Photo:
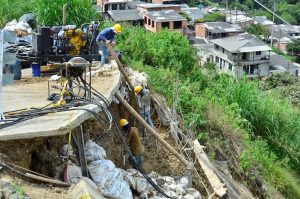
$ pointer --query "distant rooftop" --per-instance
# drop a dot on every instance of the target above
(238, 18)
(286, 32)
(156, 5)
(164, 16)
(125, 15)
(242, 43)
(263, 20)
(222, 27)
(194, 12)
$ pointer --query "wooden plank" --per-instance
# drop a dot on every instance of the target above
(208, 169)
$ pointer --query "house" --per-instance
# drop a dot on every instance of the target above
(132, 17)
(157, 7)
(216, 30)
(263, 21)
(242, 54)
(106, 5)
(156, 20)
(239, 18)
(194, 13)
(284, 34)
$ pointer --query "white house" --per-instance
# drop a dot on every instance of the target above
(242, 54)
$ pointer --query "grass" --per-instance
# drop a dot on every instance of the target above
(49, 12)
(268, 127)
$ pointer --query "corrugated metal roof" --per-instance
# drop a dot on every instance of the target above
(242, 43)
(164, 16)
(125, 15)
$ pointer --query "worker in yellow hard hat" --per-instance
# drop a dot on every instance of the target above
(144, 101)
(107, 36)
(133, 140)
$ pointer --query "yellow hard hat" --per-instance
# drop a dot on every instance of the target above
(138, 89)
(123, 122)
(118, 28)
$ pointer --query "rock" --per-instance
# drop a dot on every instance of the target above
(9, 190)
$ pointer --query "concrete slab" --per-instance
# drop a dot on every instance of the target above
(29, 94)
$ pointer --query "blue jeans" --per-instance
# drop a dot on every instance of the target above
(103, 48)
(146, 115)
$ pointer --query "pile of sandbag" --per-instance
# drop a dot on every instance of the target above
(106, 176)
(175, 188)
(21, 28)
(136, 77)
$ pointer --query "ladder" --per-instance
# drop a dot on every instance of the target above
(1, 70)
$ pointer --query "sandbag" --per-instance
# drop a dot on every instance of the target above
(109, 179)
(72, 173)
(94, 152)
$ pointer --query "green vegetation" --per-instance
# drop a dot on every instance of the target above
(294, 49)
(10, 10)
(19, 190)
(49, 12)
(265, 127)
(258, 30)
(215, 16)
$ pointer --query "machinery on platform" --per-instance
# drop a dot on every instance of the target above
(61, 43)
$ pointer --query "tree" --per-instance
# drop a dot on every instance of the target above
(258, 30)
(215, 16)
(294, 49)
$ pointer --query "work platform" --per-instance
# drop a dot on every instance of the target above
(28, 94)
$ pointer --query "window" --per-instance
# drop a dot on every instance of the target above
(177, 24)
(258, 52)
(149, 21)
(250, 69)
(152, 24)
(106, 8)
(114, 6)
(223, 50)
(165, 24)
(230, 66)
(145, 20)
(216, 47)
(122, 6)
(217, 59)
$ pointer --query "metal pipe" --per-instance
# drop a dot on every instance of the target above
(64, 14)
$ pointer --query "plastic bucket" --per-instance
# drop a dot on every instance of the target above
(36, 70)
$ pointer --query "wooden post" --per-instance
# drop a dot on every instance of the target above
(52, 181)
(120, 65)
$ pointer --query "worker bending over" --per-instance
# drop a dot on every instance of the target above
(133, 140)
(144, 101)
(107, 36)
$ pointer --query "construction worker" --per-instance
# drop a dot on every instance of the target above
(134, 142)
(144, 101)
(107, 36)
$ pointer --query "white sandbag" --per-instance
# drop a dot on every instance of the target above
(109, 179)
(136, 180)
(72, 173)
(94, 152)
(11, 26)
(23, 26)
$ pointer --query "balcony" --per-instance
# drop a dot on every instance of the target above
(261, 60)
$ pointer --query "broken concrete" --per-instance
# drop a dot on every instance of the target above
(34, 94)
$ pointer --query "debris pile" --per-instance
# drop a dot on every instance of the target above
(175, 188)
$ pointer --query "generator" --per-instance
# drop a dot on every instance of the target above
(61, 43)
